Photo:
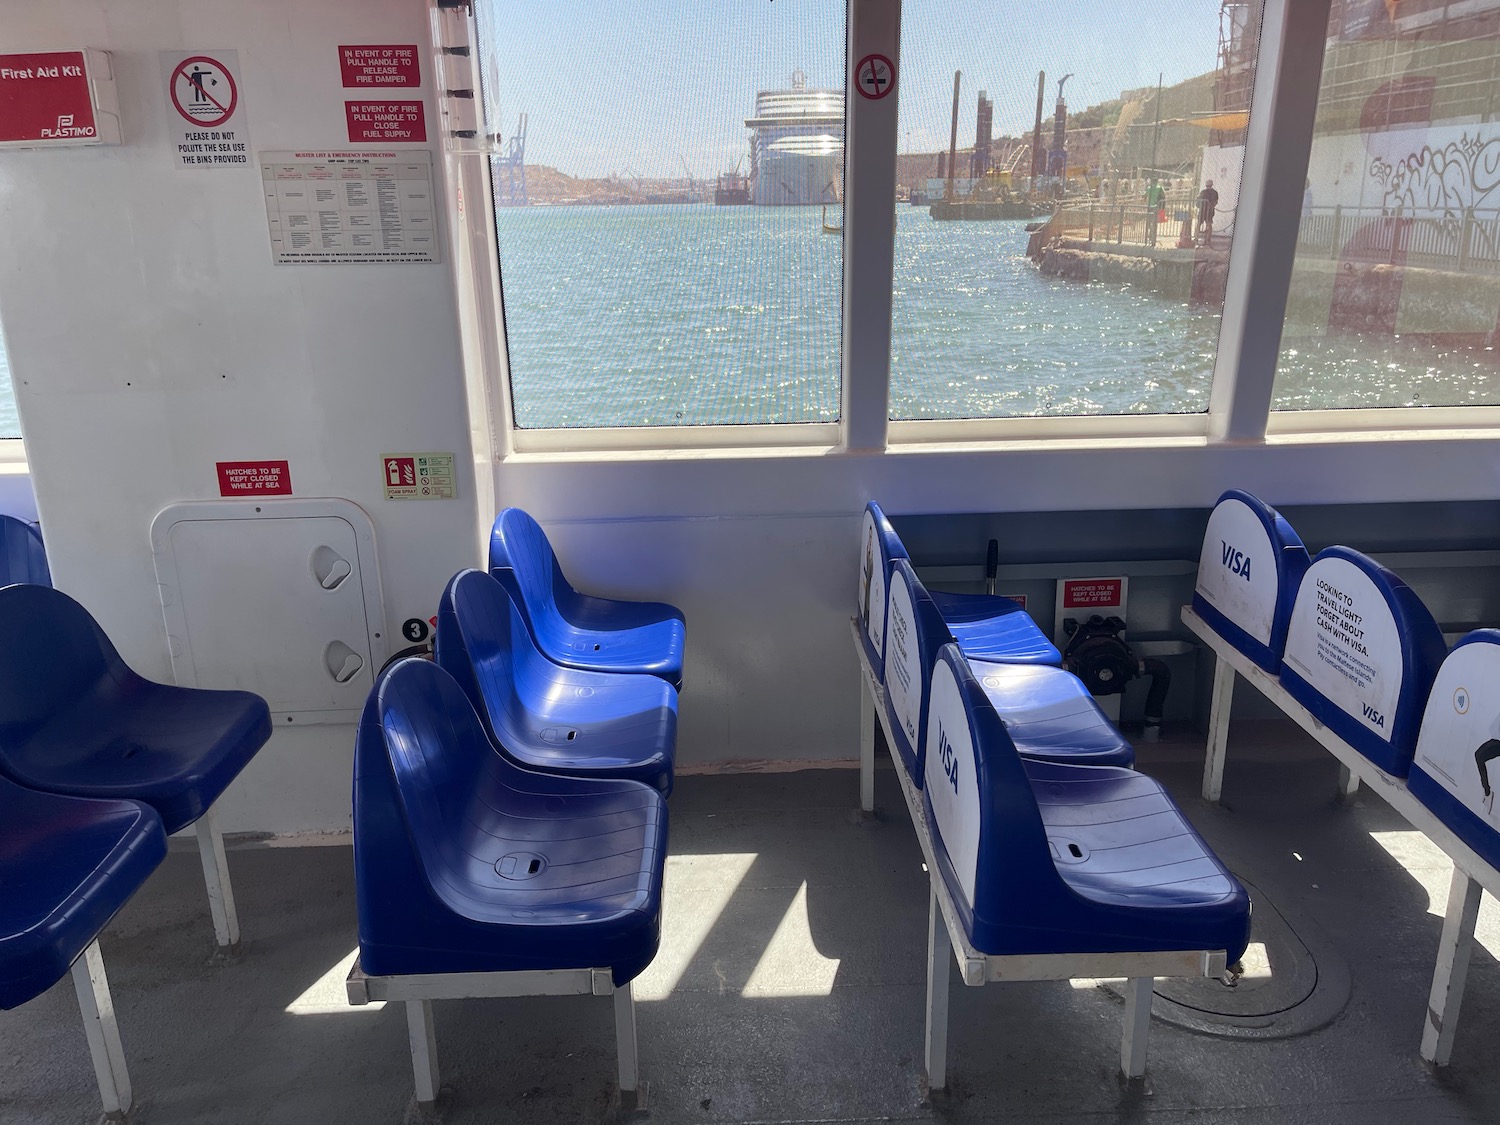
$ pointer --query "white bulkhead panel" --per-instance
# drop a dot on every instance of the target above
(281, 598)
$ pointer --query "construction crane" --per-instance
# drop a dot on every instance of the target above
(510, 170)
(695, 189)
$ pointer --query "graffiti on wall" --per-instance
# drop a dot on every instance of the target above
(1443, 183)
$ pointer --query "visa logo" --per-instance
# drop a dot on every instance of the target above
(1237, 561)
(948, 759)
(1373, 715)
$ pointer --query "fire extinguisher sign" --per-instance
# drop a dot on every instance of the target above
(418, 476)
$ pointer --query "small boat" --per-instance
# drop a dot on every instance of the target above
(830, 228)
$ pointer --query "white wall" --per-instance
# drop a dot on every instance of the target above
(151, 336)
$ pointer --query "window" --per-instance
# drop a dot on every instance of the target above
(1061, 263)
(10, 421)
(668, 195)
(1395, 291)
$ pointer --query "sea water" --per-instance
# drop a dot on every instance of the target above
(680, 315)
(673, 315)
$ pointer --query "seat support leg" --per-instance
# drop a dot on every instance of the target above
(1452, 968)
(866, 746)
(625, 1041)
(423, 1038)
(939, 956)
(1348, 783)
(216, 875)
(1138, 992)
(1218, 729)
(92, 987)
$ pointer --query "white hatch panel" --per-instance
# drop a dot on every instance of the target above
(279, 598)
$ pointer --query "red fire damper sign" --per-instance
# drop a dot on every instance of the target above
(254, 478)
(1086, 593)
(45, 98)
(383, 122)
(380, 65)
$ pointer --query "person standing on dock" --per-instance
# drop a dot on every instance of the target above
(1156, 209)
(1208, 203)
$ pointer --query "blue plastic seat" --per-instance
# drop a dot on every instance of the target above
(1050, 714)
(74, 719)
(1044, 857)
(1361, 654)
(986, 626)
(1455, 771)
(550, 718)
(1248, 576)
(990, 627)
(1047, 710)
(465, 862)
(576, 630)
(67, 865)
(22, 556)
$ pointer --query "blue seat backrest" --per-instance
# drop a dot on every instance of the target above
(419, 755)
(879, 546)
(990, 844)
(22, 556)
(1248, 576)
(1361, 654)
(522, 557)
(1456, 770)
(480, 624)
(52, 654)
(914, 634)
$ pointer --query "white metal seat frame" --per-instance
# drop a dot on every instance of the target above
(1471, 873)
(945, 932)
(419, 990)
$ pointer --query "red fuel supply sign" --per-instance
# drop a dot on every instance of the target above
(57, 98)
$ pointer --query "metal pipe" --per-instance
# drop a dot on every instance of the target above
(953, 137)
(1037, 165)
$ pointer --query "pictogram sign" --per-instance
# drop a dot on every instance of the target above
(418, 476)
(204, 92)
(206, 127)
(875, 77)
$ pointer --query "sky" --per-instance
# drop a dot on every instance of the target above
(646, 87)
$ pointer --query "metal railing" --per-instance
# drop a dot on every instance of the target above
(1134, 224)
(1462, 242)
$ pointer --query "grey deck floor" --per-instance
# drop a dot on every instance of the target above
(789, 987)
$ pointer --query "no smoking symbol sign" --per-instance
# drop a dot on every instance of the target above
(203, 91)
(875, 77)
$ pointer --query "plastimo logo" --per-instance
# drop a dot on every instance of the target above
(66, 128)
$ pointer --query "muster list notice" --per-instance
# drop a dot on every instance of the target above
(346, 208)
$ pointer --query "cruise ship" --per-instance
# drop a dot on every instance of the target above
(570, 664)
(797, 145)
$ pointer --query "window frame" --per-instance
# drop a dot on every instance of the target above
(1260, 266)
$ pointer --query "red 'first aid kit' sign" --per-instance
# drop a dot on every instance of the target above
(254, 478)
(46, 98)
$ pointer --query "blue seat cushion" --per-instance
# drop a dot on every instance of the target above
(466, 862)
(1049, 714)
(175, 748)
(66, 866)
(1121, 843)
(547, 717)
(989, 627)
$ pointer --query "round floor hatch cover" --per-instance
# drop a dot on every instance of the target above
(1294, 982)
